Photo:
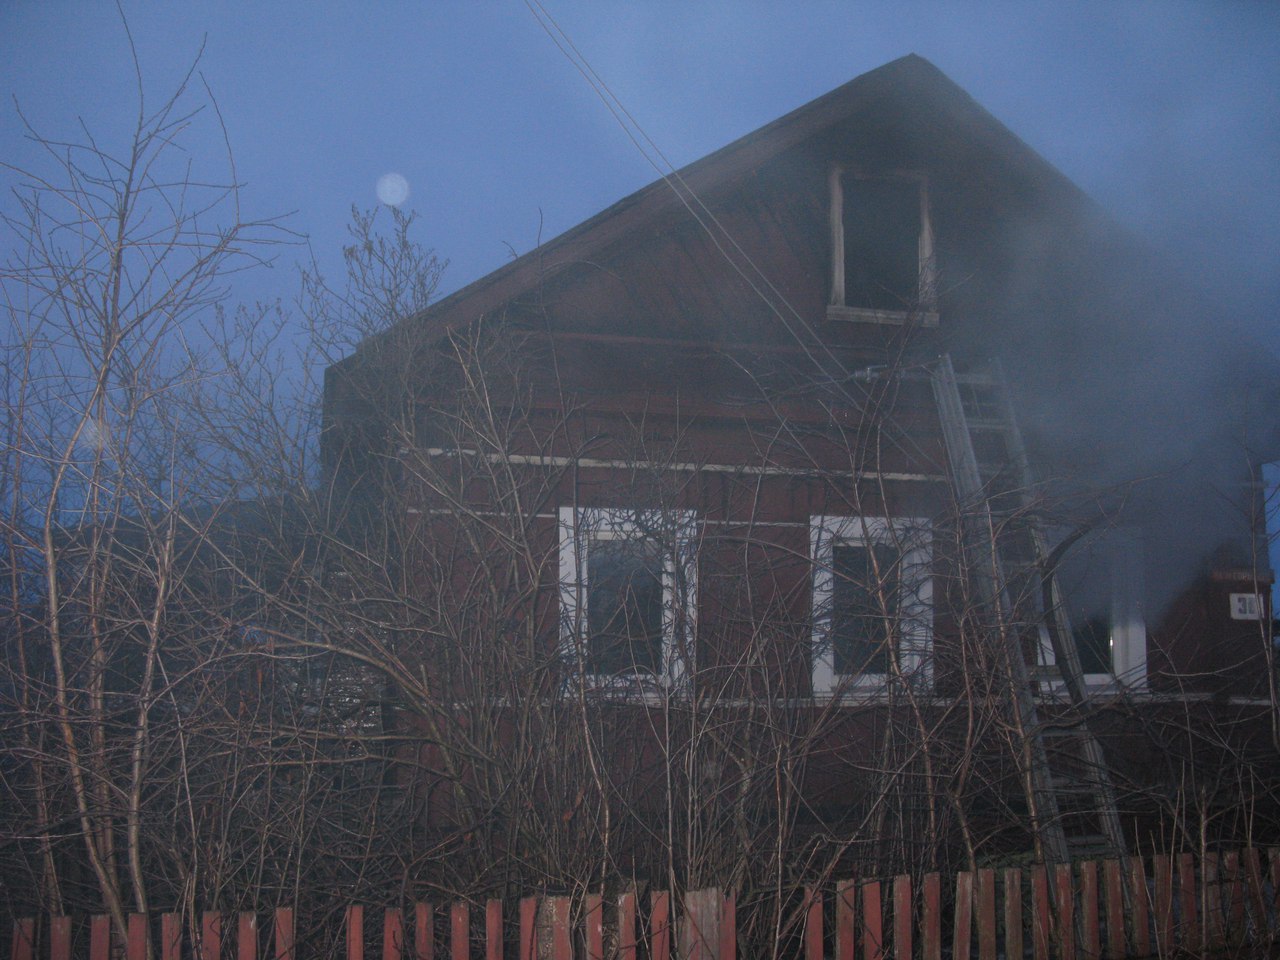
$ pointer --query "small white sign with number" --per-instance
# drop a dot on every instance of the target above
(1246, 606)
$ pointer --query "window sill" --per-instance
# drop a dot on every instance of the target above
(892, 318)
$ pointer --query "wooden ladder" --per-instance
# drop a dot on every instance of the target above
(1068, 787)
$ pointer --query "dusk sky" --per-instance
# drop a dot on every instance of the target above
(1166, 113)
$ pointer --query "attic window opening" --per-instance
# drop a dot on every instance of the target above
(883, 268)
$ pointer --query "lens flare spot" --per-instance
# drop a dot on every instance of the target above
(393, 189)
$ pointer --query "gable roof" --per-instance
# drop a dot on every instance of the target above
(907, 86)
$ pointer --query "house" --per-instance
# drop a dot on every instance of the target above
(829, 486)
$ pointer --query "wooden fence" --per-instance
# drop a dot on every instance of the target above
(1222, 903)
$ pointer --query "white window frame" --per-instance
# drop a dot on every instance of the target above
(914, 628)
(1121, 549)
(678, 530)
(925, 309)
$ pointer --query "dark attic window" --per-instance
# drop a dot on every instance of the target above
(882, 240)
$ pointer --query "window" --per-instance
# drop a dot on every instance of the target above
(1100, 580)
(882, 268)
(872, 603)
(627, 593)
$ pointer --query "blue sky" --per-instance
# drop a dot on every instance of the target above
(1165, 112)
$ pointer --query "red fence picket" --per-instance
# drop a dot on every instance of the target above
(285, 933)
(1090, 930)
(812, 909)
(872, 922)
(627, 940)
(846, 907)
(903, 915)
(931, 926)
(424, 932)
(1187, 901)
(210, 936)
(1013, 912)
(986, 911)
(729, 928)
(1065, 900)
(1163, 869)
(1140, 909)
(659, 926)
(170, 936)
(493, 930)
(961, 936)
(1041, 919)
(60, 938)
(355, 933)
(24, 939)
(135, 947)
(100, 937)
(459, 930)
(1112, 882)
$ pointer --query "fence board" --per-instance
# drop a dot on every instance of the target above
(1273, 857)
(903, 917)
(135, 947)
(100, 936)
(1211, 901)
(424, 931)
(1235, 897)
(24, 939)
(1012, 913)
(1254, 891)
(1090, 931)
(594, 921)
(1140, 907)
(493, 930)
(285, 941)
(1114, 892)
(812, 910)
(1188, 903)
(210, 937)
(247, 937)
(660, 926)
(626, 927)
(1065, 922)
(60, 938)
(986, 911)
(392, 934)
(931, 926)
(846, 908)
(961, 931)
(1041, 921)
(872, 922)
(699, 926)
(729, 928)
(355, 932)
(460, 930)
(528, 947)
(170, 936)
(1162, 867)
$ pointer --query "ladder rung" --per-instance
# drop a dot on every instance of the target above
(1089, 841)
(1073, 786)
(1060, 733)
(987, 423)
(976, 380)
